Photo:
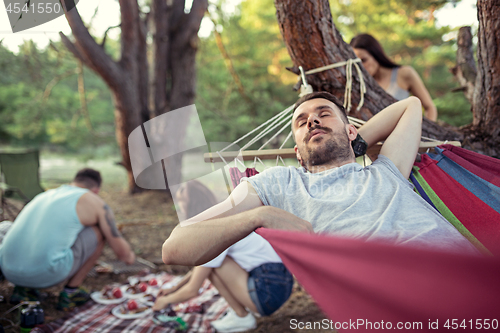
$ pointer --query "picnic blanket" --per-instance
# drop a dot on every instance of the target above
(94, 317)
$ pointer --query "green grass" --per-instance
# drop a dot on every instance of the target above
(57, 169)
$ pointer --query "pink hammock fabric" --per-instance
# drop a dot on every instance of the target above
(475, 215)
(483, 166)
(359, 283)
(362, 285)
(236, 174)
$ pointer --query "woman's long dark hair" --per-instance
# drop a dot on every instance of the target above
(371, 45)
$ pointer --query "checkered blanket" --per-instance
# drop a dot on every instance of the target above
(93, 317)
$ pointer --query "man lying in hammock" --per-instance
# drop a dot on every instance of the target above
(331, 193)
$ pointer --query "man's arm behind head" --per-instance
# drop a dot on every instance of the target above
(400, 125)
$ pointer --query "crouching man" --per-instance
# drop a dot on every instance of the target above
(59, 236)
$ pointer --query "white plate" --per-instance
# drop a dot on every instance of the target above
(116, 312)
(148, 303)
(97, 297)
(134, 296)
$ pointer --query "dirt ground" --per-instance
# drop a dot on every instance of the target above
(146, 220)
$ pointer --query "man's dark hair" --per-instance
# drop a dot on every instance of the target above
(371, 45)
(89, 177)
(324, 95)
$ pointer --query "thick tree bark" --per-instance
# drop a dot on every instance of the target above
(173, 84)
(484, 133)
(313, 41)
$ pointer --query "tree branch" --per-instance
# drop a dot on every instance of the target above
(188, 28)
(88, 50)
(177, 15)
(54, 81)
(228, 61)
(73, 49)
(106, 34)
(83, 99)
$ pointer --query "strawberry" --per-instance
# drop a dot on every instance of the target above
(117, 292)
(143, 287)
(132, 304)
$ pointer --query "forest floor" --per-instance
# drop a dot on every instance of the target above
(146, 220)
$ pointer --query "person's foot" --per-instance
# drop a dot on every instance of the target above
(231, 322)
(24, 294)
(68, 301)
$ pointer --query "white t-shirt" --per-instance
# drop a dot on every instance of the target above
(371, 203)
(250, 252)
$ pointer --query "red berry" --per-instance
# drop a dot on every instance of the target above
(143, 287)
(132, 304)
(117, 292)
(153, 282)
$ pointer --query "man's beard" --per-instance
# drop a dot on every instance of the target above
(335, 149)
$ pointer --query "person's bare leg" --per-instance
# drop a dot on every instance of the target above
(231, 282)
(77, 279)
(238, 308)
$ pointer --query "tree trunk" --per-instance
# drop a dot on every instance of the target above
(465, 71)
(173, 83)
(484, 133)
(313, 41)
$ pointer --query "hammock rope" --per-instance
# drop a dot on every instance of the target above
(287, 125)
(268, 130)
(307, 89)
(279, 115)
(283, 118)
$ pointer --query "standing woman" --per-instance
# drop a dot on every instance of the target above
(398, 81)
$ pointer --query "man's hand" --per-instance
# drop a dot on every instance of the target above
(275, 218)
(131, 258)
(167, 291)
(161, 302)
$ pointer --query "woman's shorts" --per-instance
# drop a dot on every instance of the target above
(269, 286)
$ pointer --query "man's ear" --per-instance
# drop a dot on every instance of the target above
(95, 190)
(352, 132)
(297, 153)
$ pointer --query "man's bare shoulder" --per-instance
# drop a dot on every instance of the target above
(88, 207)
(91, 198)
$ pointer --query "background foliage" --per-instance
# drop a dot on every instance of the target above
(250, 36)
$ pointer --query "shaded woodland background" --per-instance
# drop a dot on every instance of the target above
(48, 99)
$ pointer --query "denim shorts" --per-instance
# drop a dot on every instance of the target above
(269, 286)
